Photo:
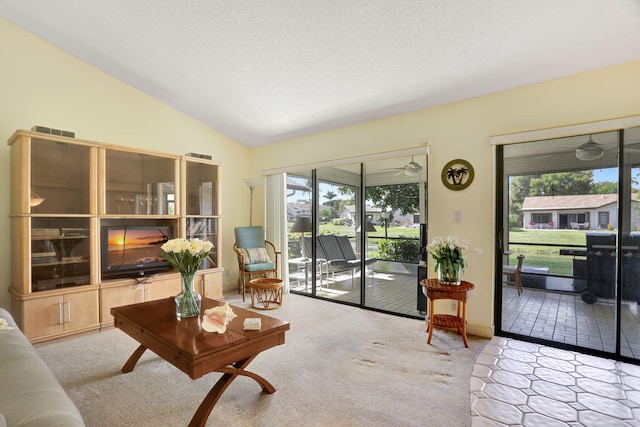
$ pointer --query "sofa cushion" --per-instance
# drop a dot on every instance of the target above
(29, 393)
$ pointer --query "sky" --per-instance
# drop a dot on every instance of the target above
(609, 174)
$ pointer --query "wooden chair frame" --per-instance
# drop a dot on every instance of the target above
(513, 275)
(246, 275)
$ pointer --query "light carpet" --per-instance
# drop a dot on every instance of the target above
(340, 366)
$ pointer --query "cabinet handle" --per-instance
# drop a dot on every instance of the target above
(206, 287)
(68, 312)
(60, 314)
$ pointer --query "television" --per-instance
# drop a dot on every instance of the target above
(133, 250)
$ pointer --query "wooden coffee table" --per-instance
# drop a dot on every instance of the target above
(185, 345)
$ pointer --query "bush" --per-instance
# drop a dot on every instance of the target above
(403, 250)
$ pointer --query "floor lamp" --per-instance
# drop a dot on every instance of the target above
(302, 225)
(251, 183)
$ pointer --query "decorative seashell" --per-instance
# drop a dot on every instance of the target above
(216, 319)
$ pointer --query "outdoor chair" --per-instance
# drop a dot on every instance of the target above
(257, 257)
(340, 255)
(513, 274)
(352, 258)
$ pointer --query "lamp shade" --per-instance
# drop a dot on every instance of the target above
(369, 228)
(251, 182)
(302, 225)
(35, 200)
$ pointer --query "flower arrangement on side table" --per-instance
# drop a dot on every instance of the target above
(186, 256)
(448, 254)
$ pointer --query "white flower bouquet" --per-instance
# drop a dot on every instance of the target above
(448, 254)
(186, 256)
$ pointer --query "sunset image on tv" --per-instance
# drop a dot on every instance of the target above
(135, 246)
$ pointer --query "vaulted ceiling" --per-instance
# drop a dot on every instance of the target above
(269, 70)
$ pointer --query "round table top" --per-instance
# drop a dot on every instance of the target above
(434, 285)
(266, 283)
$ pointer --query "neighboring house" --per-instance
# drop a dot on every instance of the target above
(295, 210)
(579, 212)
(374, 215)
(348, 213)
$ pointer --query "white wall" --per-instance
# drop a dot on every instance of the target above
(40, 84)
(462, 130)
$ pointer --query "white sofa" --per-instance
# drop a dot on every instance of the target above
(29, 393)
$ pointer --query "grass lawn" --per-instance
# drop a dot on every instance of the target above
(548, 256)
(329, 228)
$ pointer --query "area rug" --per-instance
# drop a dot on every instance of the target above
(340, 366)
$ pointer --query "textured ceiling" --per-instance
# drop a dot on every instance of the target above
(264, 71)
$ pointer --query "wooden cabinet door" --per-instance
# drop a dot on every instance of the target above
(115, 297)
(211, 284)
(80, 310)
(43, 317)
(163, 287)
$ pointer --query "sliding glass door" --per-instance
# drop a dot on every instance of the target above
(395, 191)
(570, 207)
(361, 242)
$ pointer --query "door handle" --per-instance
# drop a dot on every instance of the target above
(60, 314)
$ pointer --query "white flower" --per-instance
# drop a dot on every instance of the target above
(181, 245)
(195, 246)
(186, 256)
(168, 246)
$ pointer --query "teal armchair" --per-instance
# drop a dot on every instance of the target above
(257, 257)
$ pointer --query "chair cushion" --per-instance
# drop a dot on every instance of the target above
(263, 266)
(255, 255)
(249, 237)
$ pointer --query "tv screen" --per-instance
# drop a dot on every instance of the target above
(133, 250)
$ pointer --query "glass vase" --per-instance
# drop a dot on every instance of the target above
(449, 274)
(188, 300)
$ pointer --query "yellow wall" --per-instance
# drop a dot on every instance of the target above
(462, 130)
(39, 84)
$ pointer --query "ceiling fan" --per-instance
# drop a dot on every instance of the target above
(590, 150)
(410, 169)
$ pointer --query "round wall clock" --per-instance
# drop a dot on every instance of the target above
(457, 174)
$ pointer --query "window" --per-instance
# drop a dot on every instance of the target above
(541, 218)
(603, 219)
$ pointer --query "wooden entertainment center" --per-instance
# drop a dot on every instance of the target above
(64, 191)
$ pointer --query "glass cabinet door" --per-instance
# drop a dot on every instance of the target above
(205, 229)
(60, 178)
(139, 184)
(201, 189)
(201, 205)
(60, 253)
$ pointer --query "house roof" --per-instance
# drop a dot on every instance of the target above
(578, 201)
(265, 71)
(294, 185)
